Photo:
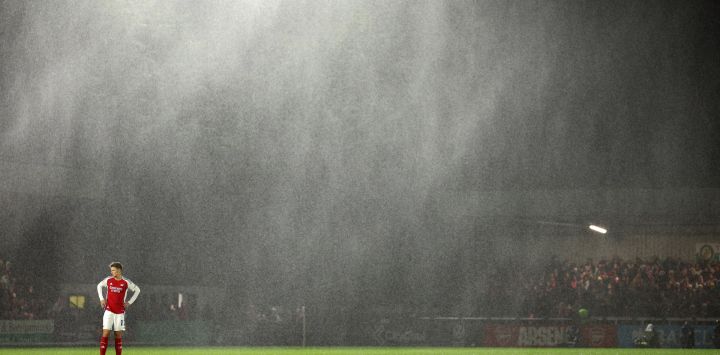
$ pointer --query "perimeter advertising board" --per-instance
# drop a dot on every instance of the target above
(26, 331)
(668, 335)
(546, 335)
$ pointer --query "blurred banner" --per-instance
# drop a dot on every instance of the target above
(708, 251)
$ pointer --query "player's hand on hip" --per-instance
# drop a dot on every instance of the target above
(103, 303)
(127, 304)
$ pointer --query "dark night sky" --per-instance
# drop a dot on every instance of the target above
(632, 101)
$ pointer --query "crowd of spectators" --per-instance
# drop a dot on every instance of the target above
(629, 288)
(19, 297)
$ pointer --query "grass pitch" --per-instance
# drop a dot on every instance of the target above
(355, 351)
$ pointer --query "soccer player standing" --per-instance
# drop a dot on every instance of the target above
(114, 305)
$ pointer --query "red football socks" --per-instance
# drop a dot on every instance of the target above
(118, 346)
(103, 345)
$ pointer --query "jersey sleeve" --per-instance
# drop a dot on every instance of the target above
(135, 289)
(100, 286)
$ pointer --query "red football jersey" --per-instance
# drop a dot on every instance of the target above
(117, 292)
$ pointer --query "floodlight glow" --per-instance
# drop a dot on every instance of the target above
(598, 229)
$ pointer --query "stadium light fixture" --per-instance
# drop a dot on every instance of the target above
(598, 229)
(593, 227)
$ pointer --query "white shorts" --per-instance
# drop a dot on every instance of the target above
(114, 321)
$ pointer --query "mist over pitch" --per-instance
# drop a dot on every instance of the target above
(298, 150)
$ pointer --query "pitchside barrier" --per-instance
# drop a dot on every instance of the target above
(173, 332)
(26, 331)
(47, 333)
(531, 332)
(668, 335)
(390, 331)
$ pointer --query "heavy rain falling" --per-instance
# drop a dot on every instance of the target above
(361, 161)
